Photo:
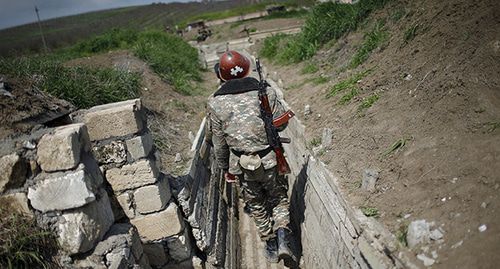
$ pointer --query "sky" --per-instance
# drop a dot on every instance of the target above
(17, 12)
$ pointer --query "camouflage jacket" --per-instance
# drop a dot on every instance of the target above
(235, 123)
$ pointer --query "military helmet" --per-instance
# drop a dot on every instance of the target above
(233, 65)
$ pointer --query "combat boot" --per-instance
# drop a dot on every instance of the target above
(284, 251)
(271, 251)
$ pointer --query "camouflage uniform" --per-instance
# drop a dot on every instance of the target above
(236, 125)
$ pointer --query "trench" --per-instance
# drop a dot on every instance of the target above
(328, 232)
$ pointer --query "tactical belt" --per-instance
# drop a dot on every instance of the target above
(261, 153)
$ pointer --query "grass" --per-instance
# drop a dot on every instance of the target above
(492, 126)
(22, 243)
(169, 56)
(346, 98)
(411, 33)
(368, 102)
(349, 83)
(372, 40)
(325, 22)
(294, 13)
(320, 80)
(370, 211)
(84, 87)
(401, 234)
(316, 141)
(310, 69)
(399, 144)
(397, 14)
(218, 15)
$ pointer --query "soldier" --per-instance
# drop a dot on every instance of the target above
(242, 151)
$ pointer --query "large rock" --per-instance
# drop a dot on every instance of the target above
(179, 247)
(132, 176)
(140, 147)
(12, 172)
(18, 202)
(159, 225)
(61, 149)
(79, 230)
(120, 248)
(62, 191)
(152, 198)
(157, 254)
(115, 120)
(126, 202)
(418, 232)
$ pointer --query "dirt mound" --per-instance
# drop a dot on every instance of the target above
(432, 131)
(22, 107)
(172, 115)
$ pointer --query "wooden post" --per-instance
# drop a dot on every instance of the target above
(41, 32)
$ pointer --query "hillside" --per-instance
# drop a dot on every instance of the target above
(423, 111)
(64, 31)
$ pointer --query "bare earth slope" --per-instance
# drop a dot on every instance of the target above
(440, 93)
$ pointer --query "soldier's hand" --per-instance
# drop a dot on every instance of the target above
(230, 178)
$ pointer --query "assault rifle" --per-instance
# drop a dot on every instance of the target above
(273, 138)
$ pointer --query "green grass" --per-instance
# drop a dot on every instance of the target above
(397, 14)
(295, 13)
(22, 243)
(319, 80)
(370, 211)
(169, 56)
(325, 22)
(410, 33)
(401, 234)
(372, 40)
(349, 83)
(83, 87)
(310, 69)
(218, 15)
(368, 102)
(346, 98)
(399, 144)
(315, 142)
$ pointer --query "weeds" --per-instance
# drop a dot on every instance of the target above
(368, 102)
(347, 97)
(320, 80)
(492, 126)
(84, 87)
(370, 211)
(22, 243)
(372, 40)
(315, 142)
(401, 234)
(400, 143)
(397, 14)
(349, 83)
(310, 69)
(325, 22)
(410, 33)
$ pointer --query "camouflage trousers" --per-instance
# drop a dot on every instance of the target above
(266, 198)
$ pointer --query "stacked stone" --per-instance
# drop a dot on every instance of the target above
(68, 191)
(124, 149)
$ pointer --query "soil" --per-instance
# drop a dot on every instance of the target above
(23, 107)
(440, 93)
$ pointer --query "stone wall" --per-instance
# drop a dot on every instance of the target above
(97, 184)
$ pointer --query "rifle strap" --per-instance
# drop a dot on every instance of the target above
(236, 86)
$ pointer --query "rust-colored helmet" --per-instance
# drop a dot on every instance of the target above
(233, 65)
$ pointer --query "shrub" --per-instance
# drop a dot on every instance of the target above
(22, 243)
